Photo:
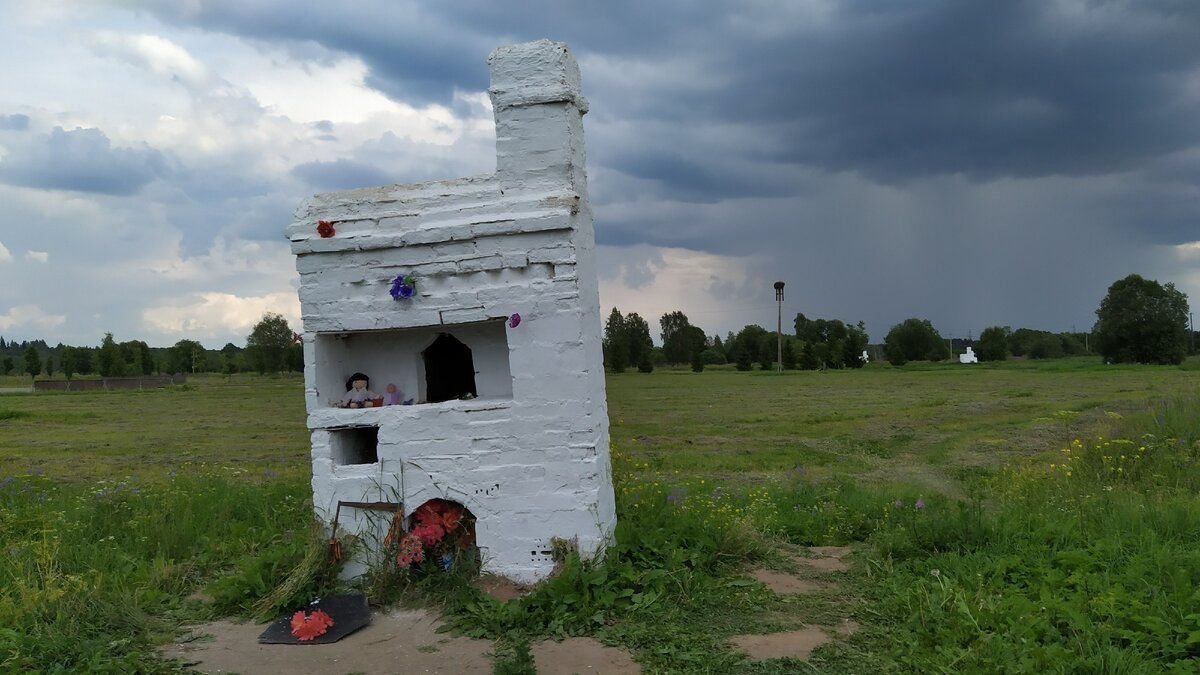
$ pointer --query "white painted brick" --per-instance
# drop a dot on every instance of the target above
(530, 459)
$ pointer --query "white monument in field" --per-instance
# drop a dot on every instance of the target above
(968, 357)
(477, 299)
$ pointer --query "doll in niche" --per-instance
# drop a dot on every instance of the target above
(358, 395)
(393, 396)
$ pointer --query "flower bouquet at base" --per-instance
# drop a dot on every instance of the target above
(440, 530)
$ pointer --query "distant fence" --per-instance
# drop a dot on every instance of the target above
(146, 382)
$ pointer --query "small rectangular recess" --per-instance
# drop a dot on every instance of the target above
(354, 445)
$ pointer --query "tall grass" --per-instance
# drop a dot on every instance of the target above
(1082, 559)
(1089, 561)
(92, 576)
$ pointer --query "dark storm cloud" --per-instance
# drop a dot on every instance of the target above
(413, 53)
(15, 122)
(985, 89)
(890, 90)
(82, 160)
(974, 162)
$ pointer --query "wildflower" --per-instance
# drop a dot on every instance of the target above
(899, 503)
(936, 573)
(920, 504)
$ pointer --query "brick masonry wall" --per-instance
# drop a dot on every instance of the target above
(532, 465)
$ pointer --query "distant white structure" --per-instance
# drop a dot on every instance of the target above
(497, 338)
(969, 357)
(865, 359)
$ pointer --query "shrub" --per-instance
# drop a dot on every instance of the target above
(993, 344)
(1142, 321)
(914, 340)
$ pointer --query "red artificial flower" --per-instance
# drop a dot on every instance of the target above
(411, 551)
(308, 627)
(451, 518)
(429, 533)
(436, 518)
(325, 229)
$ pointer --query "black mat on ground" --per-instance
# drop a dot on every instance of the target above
(349, 613)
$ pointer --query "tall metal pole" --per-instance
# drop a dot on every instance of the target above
(779, 328)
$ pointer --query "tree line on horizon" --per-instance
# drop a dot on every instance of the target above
(270, 347)
(1138, 321)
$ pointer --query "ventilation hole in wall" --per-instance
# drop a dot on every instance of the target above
(356, 445)
(541, 555)
(488, 491)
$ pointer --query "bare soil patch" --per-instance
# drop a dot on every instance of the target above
(838, 552)
(786, 584)
(826, 558)
(797, 644)
(581, 655)
(500, 588)
(401, 641)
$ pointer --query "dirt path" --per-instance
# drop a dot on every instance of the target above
(408, 641)
(820, 564)
(404, 641)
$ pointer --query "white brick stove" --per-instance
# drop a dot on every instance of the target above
(529, 456)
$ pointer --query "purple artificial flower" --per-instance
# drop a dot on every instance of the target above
(920, 504)
(514, 320)
(403, 287)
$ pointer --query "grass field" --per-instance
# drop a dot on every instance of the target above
(1042, 523)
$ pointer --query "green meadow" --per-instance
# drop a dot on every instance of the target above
(1008, 517)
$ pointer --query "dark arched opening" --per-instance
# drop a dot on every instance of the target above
(449, 370)
(445, 530)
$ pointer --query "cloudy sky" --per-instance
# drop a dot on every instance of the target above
(974, 163)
